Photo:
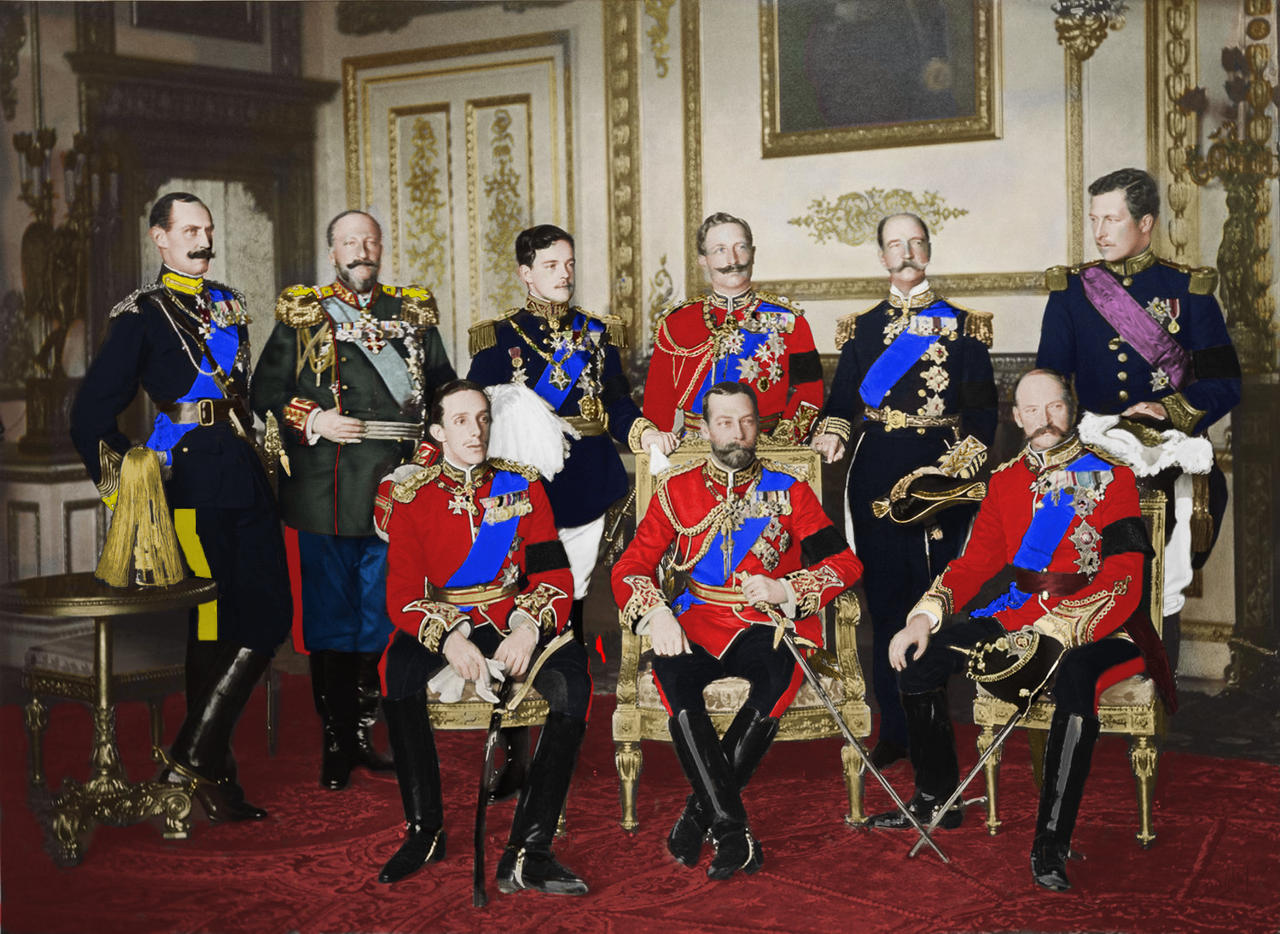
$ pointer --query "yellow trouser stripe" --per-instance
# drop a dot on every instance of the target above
(184, 521)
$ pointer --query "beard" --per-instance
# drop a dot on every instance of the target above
(350, 275)
(733, 455)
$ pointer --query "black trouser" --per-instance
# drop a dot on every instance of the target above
(1075, 684)
(770, 671)
(564, 681)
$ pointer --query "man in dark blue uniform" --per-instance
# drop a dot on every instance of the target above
(569, 357)
(345, 372)
(915, 375)
(185, 339)
(1144, 338)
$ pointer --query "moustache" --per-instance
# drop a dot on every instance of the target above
(1046, 429)
(909, 264)
(362, 262)
(205, 252)
(733, 267)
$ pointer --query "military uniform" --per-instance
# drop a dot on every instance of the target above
(758, 339)
(915, 374)
(186, 341)
(1147, 330)
(570, 358)
(373, 357)
(726, 527)
(1067, 524)
(476, 551)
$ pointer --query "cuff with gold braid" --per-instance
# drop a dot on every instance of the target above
(645, 598)
(539, 605)
(808, 585)
(296, 413)
(936, 604)
(842, 428)
(438, 619)
(636, 432)
(1182, 414)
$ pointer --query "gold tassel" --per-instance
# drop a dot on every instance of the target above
(141, 546)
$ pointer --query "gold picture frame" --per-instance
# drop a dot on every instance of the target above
(840, 75)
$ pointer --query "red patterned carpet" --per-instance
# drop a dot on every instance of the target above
(311, 866)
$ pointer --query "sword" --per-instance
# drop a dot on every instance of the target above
(852, 740)
(479, 898)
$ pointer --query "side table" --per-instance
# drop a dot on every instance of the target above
(108, 797)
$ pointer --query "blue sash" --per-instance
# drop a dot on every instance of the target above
(223, 343)
(728, 369)
(1048, 526)
(710, 570)
(899, 357)
(493, 541)
(573, 362)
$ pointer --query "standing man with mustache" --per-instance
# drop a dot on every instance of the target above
(185, 338)
(345, 371)
(733, 333)
(915, 377)
(1144, 338)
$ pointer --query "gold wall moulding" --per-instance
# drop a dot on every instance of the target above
(834, 82)
(422, 245)
(852, 218)
(691, 79)
(622, 104)
(499, 174)
(1171, 65)
(659, 11)
(876, 287)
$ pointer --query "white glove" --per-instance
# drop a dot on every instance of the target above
(448, 684)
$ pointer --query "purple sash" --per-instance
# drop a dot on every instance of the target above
(1131, 321)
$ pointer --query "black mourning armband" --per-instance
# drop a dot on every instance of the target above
(821, 545)
(805, 367)
(1218, 362)
(545, 556)
(1125, 535)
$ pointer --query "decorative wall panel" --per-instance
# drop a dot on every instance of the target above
(500, 111)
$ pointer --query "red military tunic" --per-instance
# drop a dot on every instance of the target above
(696, 337)
(438, 512)
(1100, 558)
(689, 508)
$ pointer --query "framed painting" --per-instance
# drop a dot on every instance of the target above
(840, 75)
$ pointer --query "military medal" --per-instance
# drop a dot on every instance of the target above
(1160, 379)
(559, 378)
(461, 503)
(590, 408)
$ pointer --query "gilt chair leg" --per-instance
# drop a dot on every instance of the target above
(853, 779)
(991, 771)
(37, 718)
(1144, 757)
(628, 759)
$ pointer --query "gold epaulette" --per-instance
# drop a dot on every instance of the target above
(299, 307)
(781, 301)
(129, 304)
(676, 470)
(482, 336)
(614, 326)
(846, 323)
(407, 489)
(1204, 280)
(978, 324)
(1007, 464)
(796, 471)
(524, 470)
(418, 306)
(1055, 278)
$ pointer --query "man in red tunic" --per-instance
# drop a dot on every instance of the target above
(475, 571)
(1069, 525)
(759, 553)
(734, 333)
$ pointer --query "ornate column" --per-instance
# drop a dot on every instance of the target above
(1171, 70)
(1081, 26)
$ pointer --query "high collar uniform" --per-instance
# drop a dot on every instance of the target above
(756, 338)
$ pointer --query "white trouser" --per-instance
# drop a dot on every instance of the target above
(582, 542)
(1177, 550)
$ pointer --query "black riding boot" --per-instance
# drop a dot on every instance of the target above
(711, 774)
(515, 768)
(204, 659)
(335, 675)
(527, 862)
(578, 621)
(745, 743)
(418, 774)
(368, 701)
(201, 752)
(1067, 755)
(932, 742)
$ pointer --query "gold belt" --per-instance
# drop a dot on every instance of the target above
(893, 419)
(479, 595)
(718, 596)
(767, 423)
(587, 427)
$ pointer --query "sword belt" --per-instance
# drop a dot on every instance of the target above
(202, 411)
(392, 431)
(1052, 583)
(479, 595)
(587, 427)
(893, 419)
(717, 596)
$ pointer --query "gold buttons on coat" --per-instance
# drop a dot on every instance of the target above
(1124, 395)
(1122, 376)
(1122, 357)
